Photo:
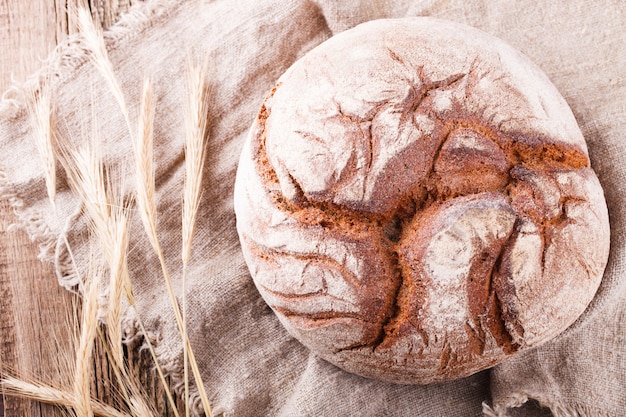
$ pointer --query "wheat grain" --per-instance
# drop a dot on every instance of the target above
(144, 169)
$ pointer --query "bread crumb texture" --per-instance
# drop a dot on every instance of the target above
(415, 202)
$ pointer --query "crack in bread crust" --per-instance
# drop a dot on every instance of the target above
(490, 315)
(488, 310)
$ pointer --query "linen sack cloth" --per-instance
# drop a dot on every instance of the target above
(250, 365)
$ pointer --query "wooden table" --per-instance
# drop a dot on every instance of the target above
(33, 307)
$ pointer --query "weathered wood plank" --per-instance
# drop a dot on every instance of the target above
(35, 315)
(28, 34)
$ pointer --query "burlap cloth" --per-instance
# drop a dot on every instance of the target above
(250, 365)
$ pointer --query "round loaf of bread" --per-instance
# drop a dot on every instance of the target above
(415, 202)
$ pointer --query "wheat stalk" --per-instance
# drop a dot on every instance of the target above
(109, 223)
(117, 270)
(94, 42)
(86, 174)
(196, 120)
(146, 203)
(145, 198)
(51, 395)
(84, 350)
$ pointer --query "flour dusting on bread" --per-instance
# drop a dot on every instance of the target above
(415, 202)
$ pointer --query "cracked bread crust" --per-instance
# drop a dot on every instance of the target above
(415, 202)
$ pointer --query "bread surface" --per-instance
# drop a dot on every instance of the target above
(415, 202)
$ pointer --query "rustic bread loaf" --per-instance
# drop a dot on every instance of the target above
(415, 202)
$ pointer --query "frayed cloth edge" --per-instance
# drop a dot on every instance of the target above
(29, 220)
(558, 408)
(170, 366)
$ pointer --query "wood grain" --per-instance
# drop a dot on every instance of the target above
(29, 31)
(28, 35)
(35, 312)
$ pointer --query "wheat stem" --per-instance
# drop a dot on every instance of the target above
(145, 199)
(84, 350)
(185, 349)
(179, 321)
(94, 42)
(117, 371)
(55, 396)
(129, 389)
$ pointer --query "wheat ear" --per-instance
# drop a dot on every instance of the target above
(196, 122)
(146, 204)
(84, 350)
(118, 269)
(41, 112)
(94, 42)
(145, 199)
(86, 174)
(196, 119)
(144, 167)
